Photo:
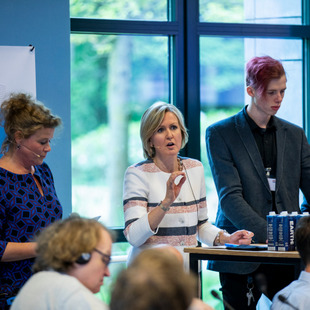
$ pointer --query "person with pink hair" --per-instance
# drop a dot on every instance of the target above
(259, 163)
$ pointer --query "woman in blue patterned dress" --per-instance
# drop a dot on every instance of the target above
(28, 200)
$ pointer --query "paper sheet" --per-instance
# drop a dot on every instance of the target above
(17, 70)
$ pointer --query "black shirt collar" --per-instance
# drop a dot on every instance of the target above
(254, 127)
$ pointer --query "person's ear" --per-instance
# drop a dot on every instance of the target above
(18, 136)
(250, 91)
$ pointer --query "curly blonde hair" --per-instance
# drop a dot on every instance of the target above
(63, 242)
(21, 113)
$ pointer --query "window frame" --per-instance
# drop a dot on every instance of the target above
(184, 31)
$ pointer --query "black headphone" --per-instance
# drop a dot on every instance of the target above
(84, 258)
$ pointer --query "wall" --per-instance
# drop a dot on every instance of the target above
(46, 25)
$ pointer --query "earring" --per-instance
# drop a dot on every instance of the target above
(18, 146)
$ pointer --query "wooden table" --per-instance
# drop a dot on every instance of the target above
(221, 253)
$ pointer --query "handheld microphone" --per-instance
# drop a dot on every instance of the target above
(217, 296)
(283, 299)
(31, 150)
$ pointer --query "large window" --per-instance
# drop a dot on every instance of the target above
(114, 79)
(128, 54)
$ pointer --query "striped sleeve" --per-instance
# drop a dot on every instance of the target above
(135, 202)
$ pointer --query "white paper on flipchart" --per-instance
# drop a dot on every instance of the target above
(17, 70)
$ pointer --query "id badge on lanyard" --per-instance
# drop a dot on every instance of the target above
(271, 181)
(272, 184)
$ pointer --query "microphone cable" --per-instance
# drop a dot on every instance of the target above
(216, 295)
(190, 185)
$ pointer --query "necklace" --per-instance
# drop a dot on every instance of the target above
(180, 164)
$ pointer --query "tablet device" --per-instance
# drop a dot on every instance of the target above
(246, 247)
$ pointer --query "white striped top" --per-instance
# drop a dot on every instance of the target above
(183, 224)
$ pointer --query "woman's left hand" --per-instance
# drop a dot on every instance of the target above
(241, 237)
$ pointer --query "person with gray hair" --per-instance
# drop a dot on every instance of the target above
(73, 257)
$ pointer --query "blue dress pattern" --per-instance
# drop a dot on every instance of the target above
(24, 212)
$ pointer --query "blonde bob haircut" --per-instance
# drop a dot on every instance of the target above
(62, 243)
(150, 122)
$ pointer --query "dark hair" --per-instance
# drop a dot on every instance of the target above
(21, 113)
(302, 236)
(261, 70)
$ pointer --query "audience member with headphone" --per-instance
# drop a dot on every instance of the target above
(73, 257)
(28, 200)
(165, 196)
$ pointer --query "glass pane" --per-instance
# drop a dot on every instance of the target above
(118, 263)
(113, 80)
(251, 11)
(289, 52)
(106, 288)
(222, 63)
(154, 10)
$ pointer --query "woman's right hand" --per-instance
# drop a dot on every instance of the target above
(173, 187)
